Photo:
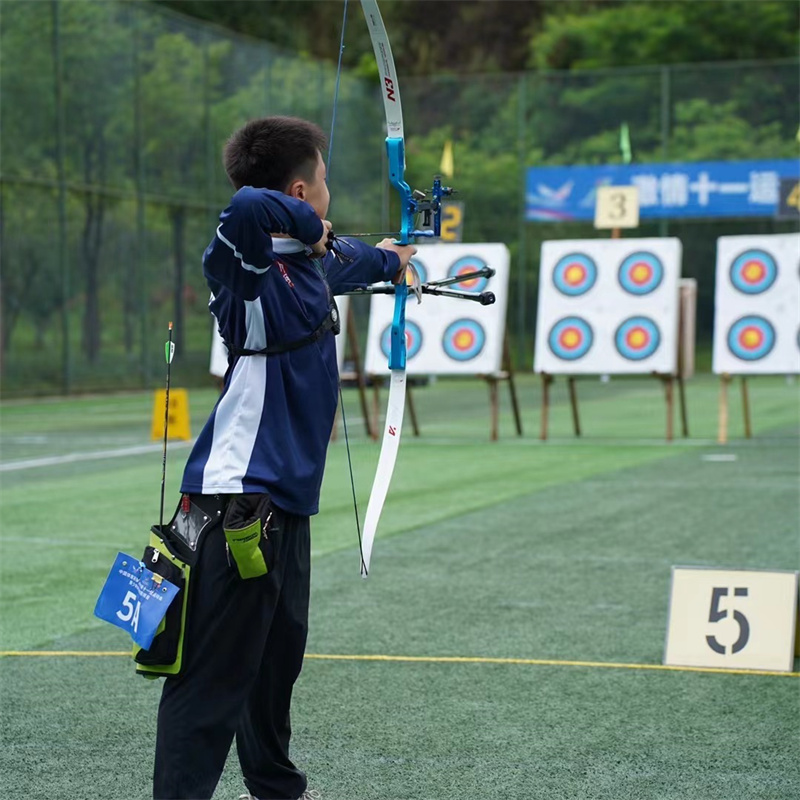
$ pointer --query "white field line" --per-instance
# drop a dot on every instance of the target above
(71, 458)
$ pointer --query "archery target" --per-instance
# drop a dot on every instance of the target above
(570, 338)
(608, 307)
(757, 305)
(465, 265)
(637, 338)
(449, 336)
(574, 274)
(413, 340)
(751, 338)
(464, 339)
(754, 271)
(422, 271)
(641, 273)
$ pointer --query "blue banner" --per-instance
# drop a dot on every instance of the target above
(699, 189)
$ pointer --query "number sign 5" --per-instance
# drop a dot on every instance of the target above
(737, 619)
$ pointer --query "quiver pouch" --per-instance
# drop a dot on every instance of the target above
(249, 534)
(165, 653)
(172, 552)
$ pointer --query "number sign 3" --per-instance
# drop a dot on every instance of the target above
(616, 207)
(736, 619)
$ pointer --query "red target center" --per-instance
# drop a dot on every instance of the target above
(570, 338)
(464, 339)
(641, 273)
(754, 272)
(751, 338)
(637, 338)
(575, 274)
(466, 271)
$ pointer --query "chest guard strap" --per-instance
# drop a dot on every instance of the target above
(331, 322)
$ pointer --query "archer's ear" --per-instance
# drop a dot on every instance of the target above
(297, 189)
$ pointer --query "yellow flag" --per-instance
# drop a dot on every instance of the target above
(446, 166)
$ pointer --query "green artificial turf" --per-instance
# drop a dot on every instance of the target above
(510, 550)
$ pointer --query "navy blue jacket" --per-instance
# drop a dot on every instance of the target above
(270, 428)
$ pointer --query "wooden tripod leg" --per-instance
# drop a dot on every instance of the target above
(494, 434)
(748, 432)
(573, 400)
(682, 401)
(511, 386)
(376, 397)
(335, 430)
(669, 396)
(722, 430)
(352, 338)
(411, 410)
(546, 380)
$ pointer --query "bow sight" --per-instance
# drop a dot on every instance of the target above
(431, 210)
(417, 203)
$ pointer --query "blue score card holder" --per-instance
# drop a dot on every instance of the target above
(135, 599)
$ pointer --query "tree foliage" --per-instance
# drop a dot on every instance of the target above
(148, 98)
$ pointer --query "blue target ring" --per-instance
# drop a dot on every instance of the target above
(574, 274)
(637, 338)
(641, 273)
(570, 338)
(463, 266)
(422, 271)
(751, 338)
(464, 339)
(753, 272)
(413, 340)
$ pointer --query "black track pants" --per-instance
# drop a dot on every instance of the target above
(244, 650)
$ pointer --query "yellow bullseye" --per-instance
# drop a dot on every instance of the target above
(637, 338)
(753, 271)
(574, 274)
(570, 338)
(751, 337)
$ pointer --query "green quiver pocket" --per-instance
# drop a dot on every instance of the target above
(164, 657)
(247, 533)
(243, 545)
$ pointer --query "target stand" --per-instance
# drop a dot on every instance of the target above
(686, 338)
(667, 380)
(356, 374)
(756, 313)
(506, 373)
(612, 307)
(722, 430)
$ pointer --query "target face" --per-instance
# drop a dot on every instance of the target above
(637, 338)
(570, 338)
(464, 339)
(413, 340)
(574, 274)
(464, 266)
(754, 271)
(641, 273)
(751, 338)
(422, 271)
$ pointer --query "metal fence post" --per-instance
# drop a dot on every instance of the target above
(63, 261)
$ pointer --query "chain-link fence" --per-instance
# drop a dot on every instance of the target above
(114, 116)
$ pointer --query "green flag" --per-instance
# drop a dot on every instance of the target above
(625, 143)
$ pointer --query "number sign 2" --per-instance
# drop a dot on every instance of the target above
(732, 619)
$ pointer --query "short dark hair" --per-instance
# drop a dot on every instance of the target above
(271, 152)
